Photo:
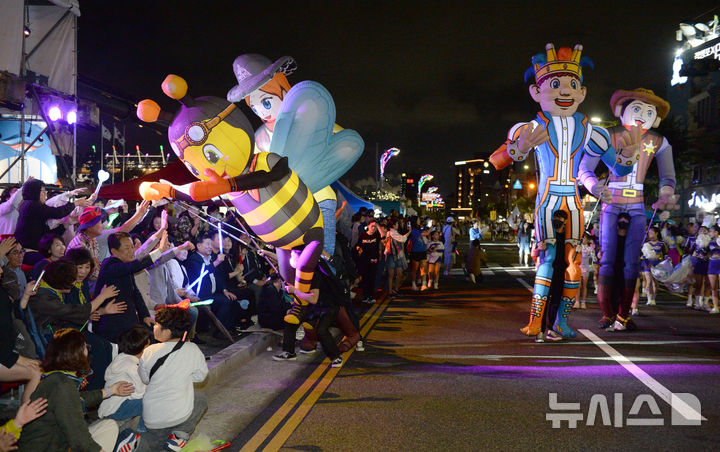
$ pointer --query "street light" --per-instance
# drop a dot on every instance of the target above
(424, 178)
(387, 155)
(596, 119)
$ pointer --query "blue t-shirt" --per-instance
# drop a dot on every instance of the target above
(418, 244)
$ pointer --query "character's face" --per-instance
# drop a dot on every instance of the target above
(652, 235)
(559, 95)
(227, 243)
(372, 228)
(204, 247)
(266, 106)
(641, 114)
(16, 256)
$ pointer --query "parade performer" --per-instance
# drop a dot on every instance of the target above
(215, 141)
(639, 107)
(563, 140)
(263, 86)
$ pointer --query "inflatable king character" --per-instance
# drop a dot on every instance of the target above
(563, 140)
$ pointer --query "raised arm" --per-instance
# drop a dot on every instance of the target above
(522, 137)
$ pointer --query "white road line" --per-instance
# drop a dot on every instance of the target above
(566, 357)
(525, 284)
(664, 393)
(558, 344)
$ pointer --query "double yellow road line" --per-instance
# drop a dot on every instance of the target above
(297, 406)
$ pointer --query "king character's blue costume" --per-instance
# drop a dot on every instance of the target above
(570, 140)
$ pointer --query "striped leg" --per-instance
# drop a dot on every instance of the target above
(305, 264)
(543, 276)
(570, 289)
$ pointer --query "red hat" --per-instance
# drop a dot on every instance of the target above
(90, 217)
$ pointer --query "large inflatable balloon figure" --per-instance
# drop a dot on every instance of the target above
(264, 87)
(563, 140)
(215, 141)
(639, 107)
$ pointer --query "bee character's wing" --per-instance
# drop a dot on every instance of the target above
(304, 134)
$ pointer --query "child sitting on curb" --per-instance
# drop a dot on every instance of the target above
(124, 367)
(171, 407)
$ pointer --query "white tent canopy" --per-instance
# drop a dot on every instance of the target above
(50, 48)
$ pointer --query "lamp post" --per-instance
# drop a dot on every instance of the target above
(387, 155)
(424, 178)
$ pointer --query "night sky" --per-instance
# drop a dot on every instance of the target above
(442, 81)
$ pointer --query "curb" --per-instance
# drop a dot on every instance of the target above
(236, 355)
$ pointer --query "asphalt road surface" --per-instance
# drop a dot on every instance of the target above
(448, 369)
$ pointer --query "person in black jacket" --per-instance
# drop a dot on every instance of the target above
(14, 367)
(118, 270)
(272, 305)
(34, 214)
(224, 305)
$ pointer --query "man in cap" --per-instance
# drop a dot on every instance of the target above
(448, 237)
(93, 235)
(639, 107)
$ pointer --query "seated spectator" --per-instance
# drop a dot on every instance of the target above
(224, 304)
(14, 367)
(119, 270)
(80, 293)
(9, 203)
(15, 255)
(51, 313)
(52, 248)
(93, 233)
(28, 412)
(125, 368)
(63, 427)
(34, 214)
(171, 407)
(272, 305)
(226, 278)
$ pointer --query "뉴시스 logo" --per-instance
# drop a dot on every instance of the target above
(685, 410)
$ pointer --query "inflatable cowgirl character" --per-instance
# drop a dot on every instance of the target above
(563, 139)
(639, 107)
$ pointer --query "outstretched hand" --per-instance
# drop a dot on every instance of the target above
(153, 191)
(208, 189)
(531, 137)
(630, 144)
(29, 411)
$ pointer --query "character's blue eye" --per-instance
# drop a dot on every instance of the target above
(555, 84)
(254, 110)
(636, 109)
(650, 113)
(574, 84)
(192, 169)
(267, 103)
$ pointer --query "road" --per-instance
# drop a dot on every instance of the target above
(448, 369)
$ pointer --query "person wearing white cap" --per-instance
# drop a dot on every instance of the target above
(448, 236)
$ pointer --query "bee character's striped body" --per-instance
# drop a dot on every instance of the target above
(284, 213)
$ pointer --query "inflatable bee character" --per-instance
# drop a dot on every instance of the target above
(215, 141)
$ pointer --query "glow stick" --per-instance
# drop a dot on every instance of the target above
(102, 177)
(37, 283)
(202, 303)
(198, 281)
(220, 239)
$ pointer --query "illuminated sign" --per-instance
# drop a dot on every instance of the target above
(517, 185)
(677, 66)
(713, 50)
(410, 181)
(701, 201)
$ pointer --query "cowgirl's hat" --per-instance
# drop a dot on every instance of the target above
(253, 71)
